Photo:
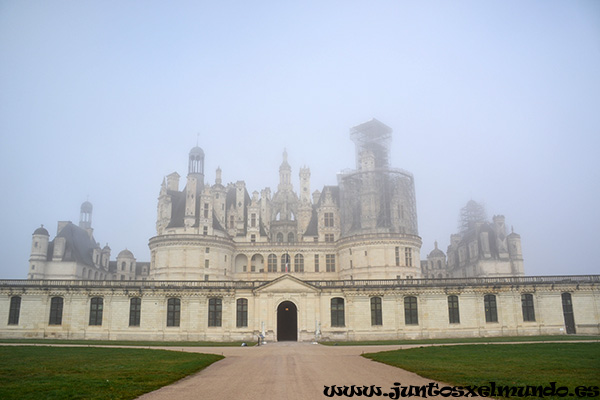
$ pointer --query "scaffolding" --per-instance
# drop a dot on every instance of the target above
(375, 198)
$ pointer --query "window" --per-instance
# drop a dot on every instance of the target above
(123, 266)
(285, 263)
(329, 237)
(491, 312)
(376, 318)
(56, 309)
(453, 313)
(272, 263)
(207, 250)
(173, 312)
(330, 262)
(397, 256)
(15, 310)
(206, 263)
(411, 313)
(96, 310)
(316, 263)
(253, 220)
(135, 308)
(253, 238)
(298, 263)
(280, 237)
(214, 311)
(329, 220)
(408, 256)
(231, 222)
(242, 313)
(337, 312)
(290, 237)
(205, 210)
(205, 230)
(527, 304)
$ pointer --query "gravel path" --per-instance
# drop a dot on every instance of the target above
(285, 370)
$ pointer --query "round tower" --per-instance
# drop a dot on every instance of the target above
(39, 253)
(85, 216)
(39, 244)
(196, 163)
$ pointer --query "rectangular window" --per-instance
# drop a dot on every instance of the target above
(272, 263)
(253, 238)
(329, 237)
(253, 220)
(408, 256)
(214, 312)
(528, 310)
(15, 310)
(207, 250)
(337, 312)
(316, 263)
(206, 263)
(231, 222)
(298, 263)
(56, 309)
(411, 312)
(96, 305)
(491, 312)
(329, 220)
(242, 313)
(376, 314)
(205, 230)
(453, 313)
(330, 262)
(135, 309)
(173, 312)
(397, 256)
(205, 210)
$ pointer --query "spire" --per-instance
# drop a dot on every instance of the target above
(285, 172)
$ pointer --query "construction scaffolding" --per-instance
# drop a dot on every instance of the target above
(375, 198)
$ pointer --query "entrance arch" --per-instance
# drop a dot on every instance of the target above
(287, 322)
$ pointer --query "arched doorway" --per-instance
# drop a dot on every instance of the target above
(287, 322)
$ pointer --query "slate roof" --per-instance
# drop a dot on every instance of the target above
(78, 245)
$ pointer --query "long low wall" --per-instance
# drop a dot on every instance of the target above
(335, 310)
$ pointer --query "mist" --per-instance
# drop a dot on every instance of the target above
(493, 101)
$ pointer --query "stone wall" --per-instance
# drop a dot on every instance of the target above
(313, 300)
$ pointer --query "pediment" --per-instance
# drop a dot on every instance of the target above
(286, 284)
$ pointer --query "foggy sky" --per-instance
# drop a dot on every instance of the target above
(495, 101)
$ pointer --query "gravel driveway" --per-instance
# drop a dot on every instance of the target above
(285, 370)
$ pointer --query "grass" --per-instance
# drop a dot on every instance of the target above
(126, 343)
(91, 373)
(463, 340)
(568, 364)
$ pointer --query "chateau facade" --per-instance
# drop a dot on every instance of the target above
(342, 263)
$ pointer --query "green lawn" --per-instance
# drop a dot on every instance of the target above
(567, 364)
(127, 343)
(39, 372)
(463, 340)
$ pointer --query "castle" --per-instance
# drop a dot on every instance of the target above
(341, 263)
(363, 228)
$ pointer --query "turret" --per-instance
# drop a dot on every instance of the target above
(304, 185)
(39, 244)
(285, 174)
(85, 219)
